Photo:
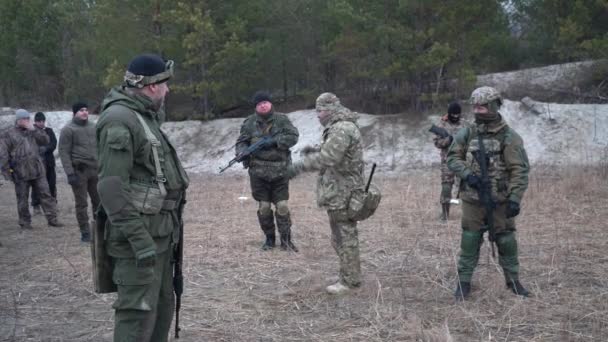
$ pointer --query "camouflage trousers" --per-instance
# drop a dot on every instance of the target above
(345, 241)
(40, 186)
(85, 188)
(447, 176)
(51, 179)
(447, 182)
(145, 303)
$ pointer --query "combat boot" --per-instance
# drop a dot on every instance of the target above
(267, 225)
(269, 244)
(85, 233)
(85, 236)
(37, 210)
(284, 226)
(337, 288)
(444, 213)
(518, 288)
(463, 291)
(55, 223)
(287, 244)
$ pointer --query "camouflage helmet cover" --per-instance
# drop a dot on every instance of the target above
(327, 101)
(485, 95)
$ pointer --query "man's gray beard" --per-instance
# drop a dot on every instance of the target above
(158, 103)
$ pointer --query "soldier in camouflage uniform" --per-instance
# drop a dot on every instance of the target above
(141, 186)
(78, 153)
(339, 161)
(267, 168)
(508, 169)
(452, 123)
(20, 163)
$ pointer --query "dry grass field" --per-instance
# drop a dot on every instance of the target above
(236, 292)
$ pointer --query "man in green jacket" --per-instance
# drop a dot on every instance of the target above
(267, 167)
(508, 169)
(339, 161)
(78, 153)
(142, 186)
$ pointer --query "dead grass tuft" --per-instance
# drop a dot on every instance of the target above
(236, 292)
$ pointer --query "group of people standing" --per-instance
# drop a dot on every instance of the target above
(27, 160)
(133, 175)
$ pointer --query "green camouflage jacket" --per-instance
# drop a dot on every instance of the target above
(444, 143)
(126, 164)
(339, 161)
(268, 163)
(19, 151)
(77, 145)
(508, 163)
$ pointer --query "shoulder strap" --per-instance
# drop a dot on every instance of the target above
(160, 176)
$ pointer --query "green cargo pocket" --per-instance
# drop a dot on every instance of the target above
(127, 273)
(134, 286)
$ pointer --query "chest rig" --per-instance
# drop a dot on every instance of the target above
(497, 169)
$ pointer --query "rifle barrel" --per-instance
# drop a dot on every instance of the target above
(369, 180)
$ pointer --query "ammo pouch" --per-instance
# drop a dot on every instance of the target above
(361, 204)
(147, 198)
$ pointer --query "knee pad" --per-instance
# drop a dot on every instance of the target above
(507, 244)
(470, 242)
(282, 208)
(264, 208)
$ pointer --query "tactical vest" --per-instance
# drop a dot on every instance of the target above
(494, 146)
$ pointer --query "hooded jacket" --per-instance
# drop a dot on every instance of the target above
(339, 161)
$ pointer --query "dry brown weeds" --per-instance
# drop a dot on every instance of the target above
(235, 292)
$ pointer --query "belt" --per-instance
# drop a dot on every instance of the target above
(172, 200)
(268, 163)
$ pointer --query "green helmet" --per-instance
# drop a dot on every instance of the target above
(485, 95)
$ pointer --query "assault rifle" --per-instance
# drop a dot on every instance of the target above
(252, 149)
(440, 132)
(178, 256)
(485, 191)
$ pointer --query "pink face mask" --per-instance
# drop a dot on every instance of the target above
(263, 107)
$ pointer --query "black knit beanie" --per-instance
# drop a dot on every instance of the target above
(261, 96)
(78, 106)
(39, 117)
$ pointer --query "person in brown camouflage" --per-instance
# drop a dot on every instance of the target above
(507, 168)
(20, 163)
(452, 122)
(339, 161)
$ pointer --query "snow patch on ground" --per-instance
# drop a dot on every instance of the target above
(552, 133)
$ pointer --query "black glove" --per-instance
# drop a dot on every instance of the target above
(512, 209)
(473, 181)
(73, 179)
